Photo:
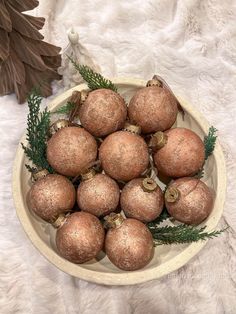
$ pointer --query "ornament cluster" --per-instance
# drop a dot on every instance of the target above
(102, 194)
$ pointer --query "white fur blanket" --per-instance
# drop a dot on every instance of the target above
(192, 44)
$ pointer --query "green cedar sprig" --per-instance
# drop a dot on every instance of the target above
(210, 141)
(209, 144)
(36, 135)
(180, 234)
(94, 80)
(66, 109)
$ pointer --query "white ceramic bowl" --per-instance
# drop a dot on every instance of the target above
(167, 258)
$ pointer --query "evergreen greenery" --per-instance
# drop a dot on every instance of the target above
(210, 141)
(66, 109)
(37, 128)
(93, 79)
(209, 144)
(180, 234)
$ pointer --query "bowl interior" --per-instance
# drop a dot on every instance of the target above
(166, 258)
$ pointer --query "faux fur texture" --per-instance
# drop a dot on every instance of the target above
(191, 43)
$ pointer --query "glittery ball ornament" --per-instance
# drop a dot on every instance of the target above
(153, 108)
(189, 200)
(71, 150)
(103, 112)
(124, 154)
(179, 152)
(128, 243)
(51, 196)
(142, 199)
(97, 194)
(80, 237)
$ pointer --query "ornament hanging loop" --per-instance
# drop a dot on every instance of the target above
(172, 194)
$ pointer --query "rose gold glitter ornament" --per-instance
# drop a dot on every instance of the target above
(180, 152)
(80, 237)
(97, 194)
(70, 150)
(51, 195)
(153, 108)
(128, 243)
(103, 112)
(189, 200)
(124, 155)
(142, 199)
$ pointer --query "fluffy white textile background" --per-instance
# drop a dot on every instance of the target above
(192, 44)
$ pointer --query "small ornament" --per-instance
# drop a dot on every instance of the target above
(129, 243)
(153, 108)
(180, 152)
(142, 199)
(51, 195)
(80, 237)
(124, 155)
(97, 194)
(103, 112)
(189, 200)
(71, 149)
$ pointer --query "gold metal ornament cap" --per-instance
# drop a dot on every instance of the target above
(158, 140)
(39, 174)
(61, 219)
(84, 95)
(113, 221)
(149, 185)
(172, 194)
(88, 175)
(132, 128)
(59, 124)
(154, 82)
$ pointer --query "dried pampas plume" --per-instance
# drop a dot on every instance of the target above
(80, 54)
(25, 60)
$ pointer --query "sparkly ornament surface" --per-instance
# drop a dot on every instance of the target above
(51, 196)
(189, 200)
(103, 112)
(124, 155)
(182, 155)
(98, 195)
(153, 108)
(71, 150)
(130, 245)
(80, 238)
(140, 204)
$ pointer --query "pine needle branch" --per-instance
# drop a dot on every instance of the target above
(37, 128)
(180, 234)
(66, 109)
(210, 141)
(94, 80)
